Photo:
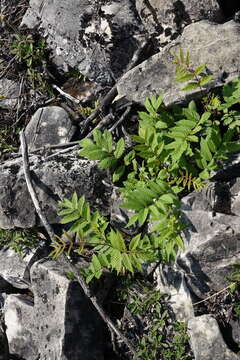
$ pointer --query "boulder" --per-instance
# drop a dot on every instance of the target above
(18, 320)
(165, 20)
(54, 179)
(56, 321)
(9, 92)
(206, 340)
(216, 45)
(49, 126)
(12, 269)
(212, 242)
(15, 268)
(97, 38)
(212, 237)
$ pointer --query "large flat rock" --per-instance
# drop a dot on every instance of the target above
(53, 180)
(96, 37)
(216, 45)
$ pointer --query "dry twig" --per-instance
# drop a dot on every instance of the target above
(51, 235)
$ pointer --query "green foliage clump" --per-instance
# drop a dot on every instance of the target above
(159, 336)
(31, 53)
(185, 72)
(5, 146)
(107, 247)
(21, 241)
(27, 50)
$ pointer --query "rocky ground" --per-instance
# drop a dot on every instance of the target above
(65, 69)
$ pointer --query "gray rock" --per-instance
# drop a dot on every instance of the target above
(212, 242)
(9, 90)
(12, 266)
(171, 281)
(216, 45)
(49, 126)
(212, 239)
(60, 324)
(15, 269)
(96, 37)
(165, 20)
(206, 340)
(53, 179)
(18, 315)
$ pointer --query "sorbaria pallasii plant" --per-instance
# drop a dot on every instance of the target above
(176, 149)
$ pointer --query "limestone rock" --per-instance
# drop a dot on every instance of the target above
(216, 45)
(12, 266)
(15, 269)
(96, 37)
(49, 126)
(18, 319)
(60, 324)
(9, 91)
(206, 340)
(165, 20)
(212, 239)
(53, 179)
(212, 242)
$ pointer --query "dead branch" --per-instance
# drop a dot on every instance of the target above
(51, 235)
(107, 100)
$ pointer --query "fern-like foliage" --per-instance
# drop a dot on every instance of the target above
(107, 248)
(189, 142)
(197, 77)
(104, 149)
(175, 149)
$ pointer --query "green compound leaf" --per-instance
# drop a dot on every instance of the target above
(120, 147)
(118, 173)
(190, 86)
(200, 69)
(107, 162)
(205, 80)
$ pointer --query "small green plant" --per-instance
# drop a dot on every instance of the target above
(27, 50)
(31, 53)
(5, 146)
(185, 72)
(21, 241)
(234, 278)
(87, 110)
(159, 336)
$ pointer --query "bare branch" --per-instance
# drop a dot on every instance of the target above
(51, 235)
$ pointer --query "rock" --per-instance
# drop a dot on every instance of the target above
(12, 266)
(206, 340)
(9, 92)
(165, 20)
(54, 179)
(97, 38)
(15, 269)
(171, 281)
(215, 45)
(18, 319)
(60, 324)
(212, 240)
(49, 126)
